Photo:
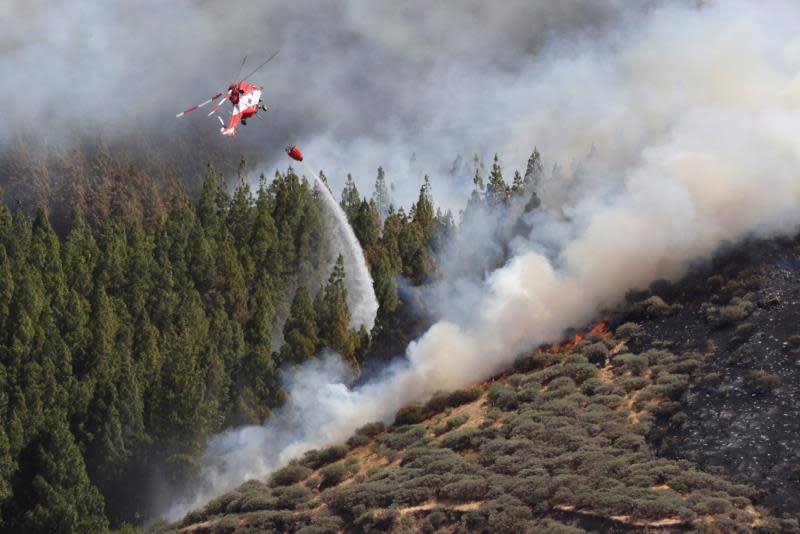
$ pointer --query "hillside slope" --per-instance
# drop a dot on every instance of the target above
(679, 418)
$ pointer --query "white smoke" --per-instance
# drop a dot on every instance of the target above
(693, 113)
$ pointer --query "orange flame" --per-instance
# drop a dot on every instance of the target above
(601, 329)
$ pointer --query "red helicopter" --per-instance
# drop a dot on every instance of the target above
(245, 97)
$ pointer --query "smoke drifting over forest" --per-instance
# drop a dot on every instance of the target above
(674, 128)
(356, 84)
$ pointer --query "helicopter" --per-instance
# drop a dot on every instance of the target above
(243, 95)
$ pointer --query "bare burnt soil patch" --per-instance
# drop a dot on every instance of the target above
(741, 412)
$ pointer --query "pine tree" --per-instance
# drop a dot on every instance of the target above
(381, 195)
(81, 255)
(366, 225)
(51, 489)
(300, 330)
(45, 259)
(350, 199)
(534, 172)
(422, 213)
(496, 190)
(208, 206)
(389, 243)
(516, 184)
(6, 294)
(333, 315)
(178, 417)
(383, 279)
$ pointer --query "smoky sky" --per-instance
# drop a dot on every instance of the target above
(356, 84)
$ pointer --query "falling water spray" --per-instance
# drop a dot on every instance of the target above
(361, 295)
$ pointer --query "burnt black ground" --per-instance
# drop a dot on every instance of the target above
(743, 407)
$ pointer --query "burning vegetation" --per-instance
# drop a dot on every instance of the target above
(571, 439)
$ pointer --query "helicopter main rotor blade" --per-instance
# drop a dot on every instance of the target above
(257, 68)
(221, 100)
(198, 106)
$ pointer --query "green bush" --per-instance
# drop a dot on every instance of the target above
(450, 424)
(463, 438)
(358, 440)
(628, 330)
(377, 521)
(635, 363)
(291, 497)
(371, 429)
(633, 383)
(596, 386)
(504, 515)
(471, 488)
(315, 459)
(463, 396)
(291, 474)
(502, 396)
(551, 526)
(596, 353)
(409, 415)
(333, 474)
(538, 360)
(402, 437)
(323, 524)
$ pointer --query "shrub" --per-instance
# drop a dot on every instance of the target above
(357, 440)
(635, 363)
(596, 386)
(763, 382)
(470, 488)
(579, 372)
(504, 515)
(596, 353)
(529, 392)
(371, 429)
(629, 441)
(632, 383)
(685, 366)
(628, 330)
(502, 396)
(291, 497)
(291, 474)
(409, 415)
(537, 360)
(653, 307)
(552, 526)
(402, 437)
(464, 438)
(457, 421)
(438, 403)
(657, 356)
(323, 524)
(333, 474)
(320, 457)
(738, 310)
(377, 521)
(463, 396)
(610, 401)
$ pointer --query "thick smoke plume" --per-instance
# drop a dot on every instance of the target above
(675, 130)
(351, 79)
